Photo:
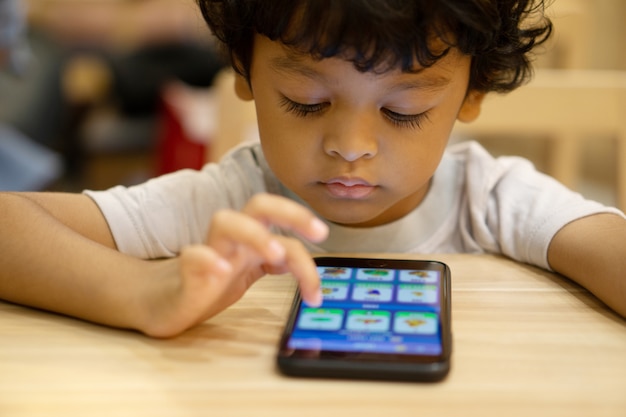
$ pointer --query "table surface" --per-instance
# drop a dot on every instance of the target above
(526, 343)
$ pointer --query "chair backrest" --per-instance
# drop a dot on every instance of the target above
(571, 44)
(556, 101)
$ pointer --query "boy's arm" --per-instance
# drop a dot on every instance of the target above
(592, 252)
(58, 254)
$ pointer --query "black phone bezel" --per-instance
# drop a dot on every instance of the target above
(392, 366)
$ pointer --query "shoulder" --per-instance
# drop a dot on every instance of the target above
(483, 176)
(511, 207)
(247, 153)
(476, 159)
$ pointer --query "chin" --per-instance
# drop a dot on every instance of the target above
(346, 212)
(350, 217)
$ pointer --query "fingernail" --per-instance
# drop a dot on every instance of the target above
(317, 300)
(319, 228)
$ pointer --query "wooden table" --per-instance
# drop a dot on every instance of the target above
(527, 343)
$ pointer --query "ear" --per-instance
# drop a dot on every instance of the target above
(470, 109)
(242, 88)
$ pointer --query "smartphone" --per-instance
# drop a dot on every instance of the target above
(380, 319)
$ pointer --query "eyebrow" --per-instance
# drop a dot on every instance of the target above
(292, 64)
(426, 82)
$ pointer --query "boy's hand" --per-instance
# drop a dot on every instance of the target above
(240, 249)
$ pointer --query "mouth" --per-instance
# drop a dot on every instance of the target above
(348, 188)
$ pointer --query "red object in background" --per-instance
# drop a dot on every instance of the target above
(175, 150)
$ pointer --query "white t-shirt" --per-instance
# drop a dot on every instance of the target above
(476, 203)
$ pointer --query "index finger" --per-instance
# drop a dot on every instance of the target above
(303, 268)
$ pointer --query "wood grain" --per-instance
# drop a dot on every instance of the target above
(526, 343)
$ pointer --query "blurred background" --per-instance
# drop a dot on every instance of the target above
(107, 92)
(94, 95)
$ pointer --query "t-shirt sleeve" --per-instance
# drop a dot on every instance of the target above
(158, 218)
(516, 210)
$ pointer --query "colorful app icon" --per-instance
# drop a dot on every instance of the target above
(419, 276)
(320, 319)
(374, 274)
(417, 294)
(374, 292)
(368, 320)
(334, 272)
(415, 323)
(333, 290)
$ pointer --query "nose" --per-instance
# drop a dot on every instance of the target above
(351, 140)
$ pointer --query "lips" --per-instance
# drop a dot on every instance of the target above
(350, 188)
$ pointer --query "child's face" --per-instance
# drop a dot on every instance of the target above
(359, 148)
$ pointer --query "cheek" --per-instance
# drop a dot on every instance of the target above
(285, 148)
(281, 135)
(415, 169)
(415, 158)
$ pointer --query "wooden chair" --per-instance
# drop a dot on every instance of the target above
(564, 106)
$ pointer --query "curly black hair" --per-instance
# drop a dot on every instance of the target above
(380, 34)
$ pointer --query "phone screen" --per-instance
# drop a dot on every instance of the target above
(380, 318)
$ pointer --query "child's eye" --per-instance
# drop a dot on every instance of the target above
(299, 109)
(413, 121)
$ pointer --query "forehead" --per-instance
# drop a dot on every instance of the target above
(289, 61)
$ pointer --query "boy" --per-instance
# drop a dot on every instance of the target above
(355, 103)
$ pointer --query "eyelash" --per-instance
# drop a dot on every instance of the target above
(299, 109)
(411, 121)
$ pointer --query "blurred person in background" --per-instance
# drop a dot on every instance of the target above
(24, 164)
(109, 61)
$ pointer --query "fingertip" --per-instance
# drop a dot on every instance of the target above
(319, 230)
(315, 300)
